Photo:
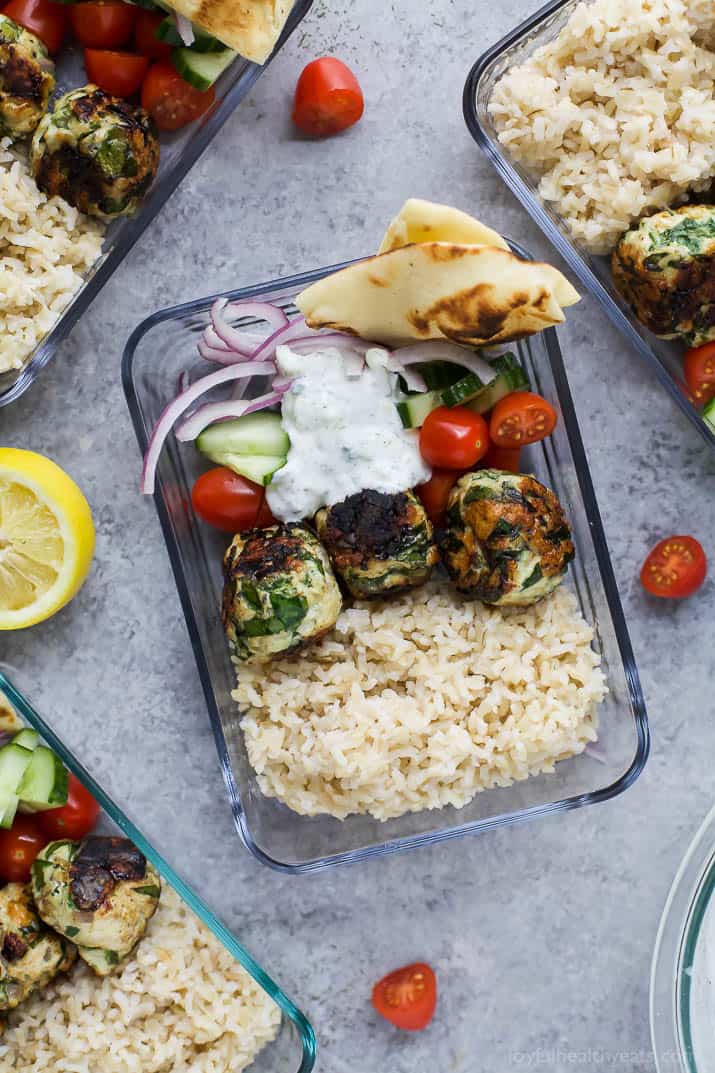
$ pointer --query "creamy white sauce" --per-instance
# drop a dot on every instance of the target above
(345, 434)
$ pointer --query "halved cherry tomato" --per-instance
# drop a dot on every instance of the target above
(699, 369)
(75, 819)
(148, 22)
(434, 493)
(18, 848)
(521, 418)
(46, 20)
(118, 73)
(102, 23)
(504, 458)
(171, 102)
(227, 501)
(407, 997)
(675, 568)
(328, 98)
(453, 437)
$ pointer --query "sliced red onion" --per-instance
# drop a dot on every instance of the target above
(213, 339)
(267, 350)
(236, 339)
(181, 403)
(184, 28)
(413, 380)
(212, 412)
(183, 381)
(438, 350)
(220, 356)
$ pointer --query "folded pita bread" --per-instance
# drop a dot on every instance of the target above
(472, 294)
(251, 27)
(425, 221)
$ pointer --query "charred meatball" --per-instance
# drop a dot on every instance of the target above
(507, 540)
(30, 954)
(26, 79)
(279, 591)
(101, 893)
(98, 152)
(665, 269)
(378, 543)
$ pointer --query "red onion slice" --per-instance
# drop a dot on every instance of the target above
(213, 339)
(293, 330)
(220, 356)
(181, 403)
(184, 28)
(212, 412)
(237, 339)
(438, 350)
(413, 380)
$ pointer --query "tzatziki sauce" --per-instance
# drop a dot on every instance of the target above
(345, 433)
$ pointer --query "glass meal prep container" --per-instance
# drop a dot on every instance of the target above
(179, 151)
(682, 996)
(158, 352)
(294, 1048)
(663, 357)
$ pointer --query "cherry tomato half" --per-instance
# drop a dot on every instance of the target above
(434, 493)
(75, 819)
(507, 459)
(227, 501)
(328, 98)
(46, 20)
(699, 370)
(521, 418)
(453, 437)
(118, 73)
(102, 23)
(675, 568)
(171, 102)
(18, 848)
(407, 997)
(148, 22)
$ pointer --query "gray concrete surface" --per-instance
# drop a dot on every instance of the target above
(541, 935)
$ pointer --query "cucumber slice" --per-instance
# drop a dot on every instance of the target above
(14, 761)
(414, 410)
(709, 415)
(254, 434)
(44, 784)
(464, 390)
(257, 468)
(201, 69)
(511, 377)
(440, 374)
(27, 739)
(203, 42)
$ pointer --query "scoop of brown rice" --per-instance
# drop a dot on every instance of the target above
(46, 249)
(181, 1003)
(420, 702)
(616, 115)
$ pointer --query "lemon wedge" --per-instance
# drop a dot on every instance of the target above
(46, 538)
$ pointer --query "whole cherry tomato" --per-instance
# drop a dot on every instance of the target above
(18, 848)
(328, 98)
(75, 819)
(453, 437)
(169, 100)
(46, 20)
(434, 493)
(148, 22)
(102, 23)
(118, 73)
(229, 502)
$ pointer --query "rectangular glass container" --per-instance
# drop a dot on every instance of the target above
(157, 353)
(293, 1049)
(661, 356)
(179, 152)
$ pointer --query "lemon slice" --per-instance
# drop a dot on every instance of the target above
(46, 538)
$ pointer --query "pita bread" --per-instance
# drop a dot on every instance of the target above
(474, 295)
(425, 221)
(251, 27)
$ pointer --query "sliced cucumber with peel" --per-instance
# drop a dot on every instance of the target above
(464, 390)
(709, 415)
(510, 377)
(254, 434)
(414, 410)
(14, 762)
(257, 468)
(201, 69)
(44, 784)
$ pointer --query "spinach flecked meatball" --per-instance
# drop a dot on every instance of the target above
(98, 152)
(507, 540)
(665, 269)
(279, 591)
(26, 79)
(30, 954)
(378, 543)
